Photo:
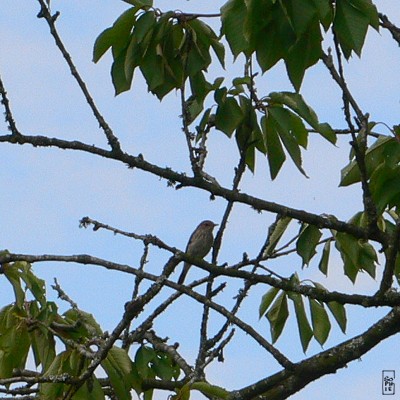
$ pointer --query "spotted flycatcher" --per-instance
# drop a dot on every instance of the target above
(199, 245)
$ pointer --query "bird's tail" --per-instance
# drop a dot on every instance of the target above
(183, 273)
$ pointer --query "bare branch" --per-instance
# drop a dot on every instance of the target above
(132, 311)
(393, 29)
(112, 139)
(216, 190)
(390, 299)
(134, 307)
(8, 113)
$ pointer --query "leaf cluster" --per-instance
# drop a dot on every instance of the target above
(292, 30)
(274, 306)
(35, 325)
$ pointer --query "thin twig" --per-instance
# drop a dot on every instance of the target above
(205, 344)
(188, 134)
(8, 113)
(132, 310)
(135, 293)
(359, 144)
(63, 296)
(111, 138)
(393, 29)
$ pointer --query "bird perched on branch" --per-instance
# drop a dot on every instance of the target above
(199, 245)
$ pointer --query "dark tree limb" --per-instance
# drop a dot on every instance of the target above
(285, 383)
(319, 221)
(389, 299)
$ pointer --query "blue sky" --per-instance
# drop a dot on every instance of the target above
(46, 191)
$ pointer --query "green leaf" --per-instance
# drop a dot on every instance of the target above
(13, 275)
(304, 53)
(271, 32)
(303, 325)
(152, 66)
(281, 120)
(296, 103)
(384, 185)
(204, 122)
(90, 390)
(339, 312)
(120, 360)
(143, 358)
(116, 37)
(219, 50)
(144, 24)
(325, 12)
(277, 316)
(103, 42)
(368, 258)
(117, 366)
(120, 80)
(163, 366)
(267, 300)
(43, 347)
(228, 116)
(276, 155)
(348, 248)
(248, 134)
(35, 285)
(357, 255)
(351, 22)
(302, 14)
(206, 36)
(275, 233)
(14, 347)
(375, 155)
(211, 391)
(140, 3)
(320, 321)
(307, 242)
(198, 56)
(233, 14)
(184, 392)
(148, 394)
(135, 379)
(327, 132)
(67, 362)
(323, 264)
(199, 86)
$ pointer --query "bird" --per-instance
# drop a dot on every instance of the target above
(199, 244)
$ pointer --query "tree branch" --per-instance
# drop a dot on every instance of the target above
(8, 113)
(112, 139)
(389, 299)
(132, 311)
(137, 303)
(216, 190)
(285, 383)
(359, 143)
(393, 29)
